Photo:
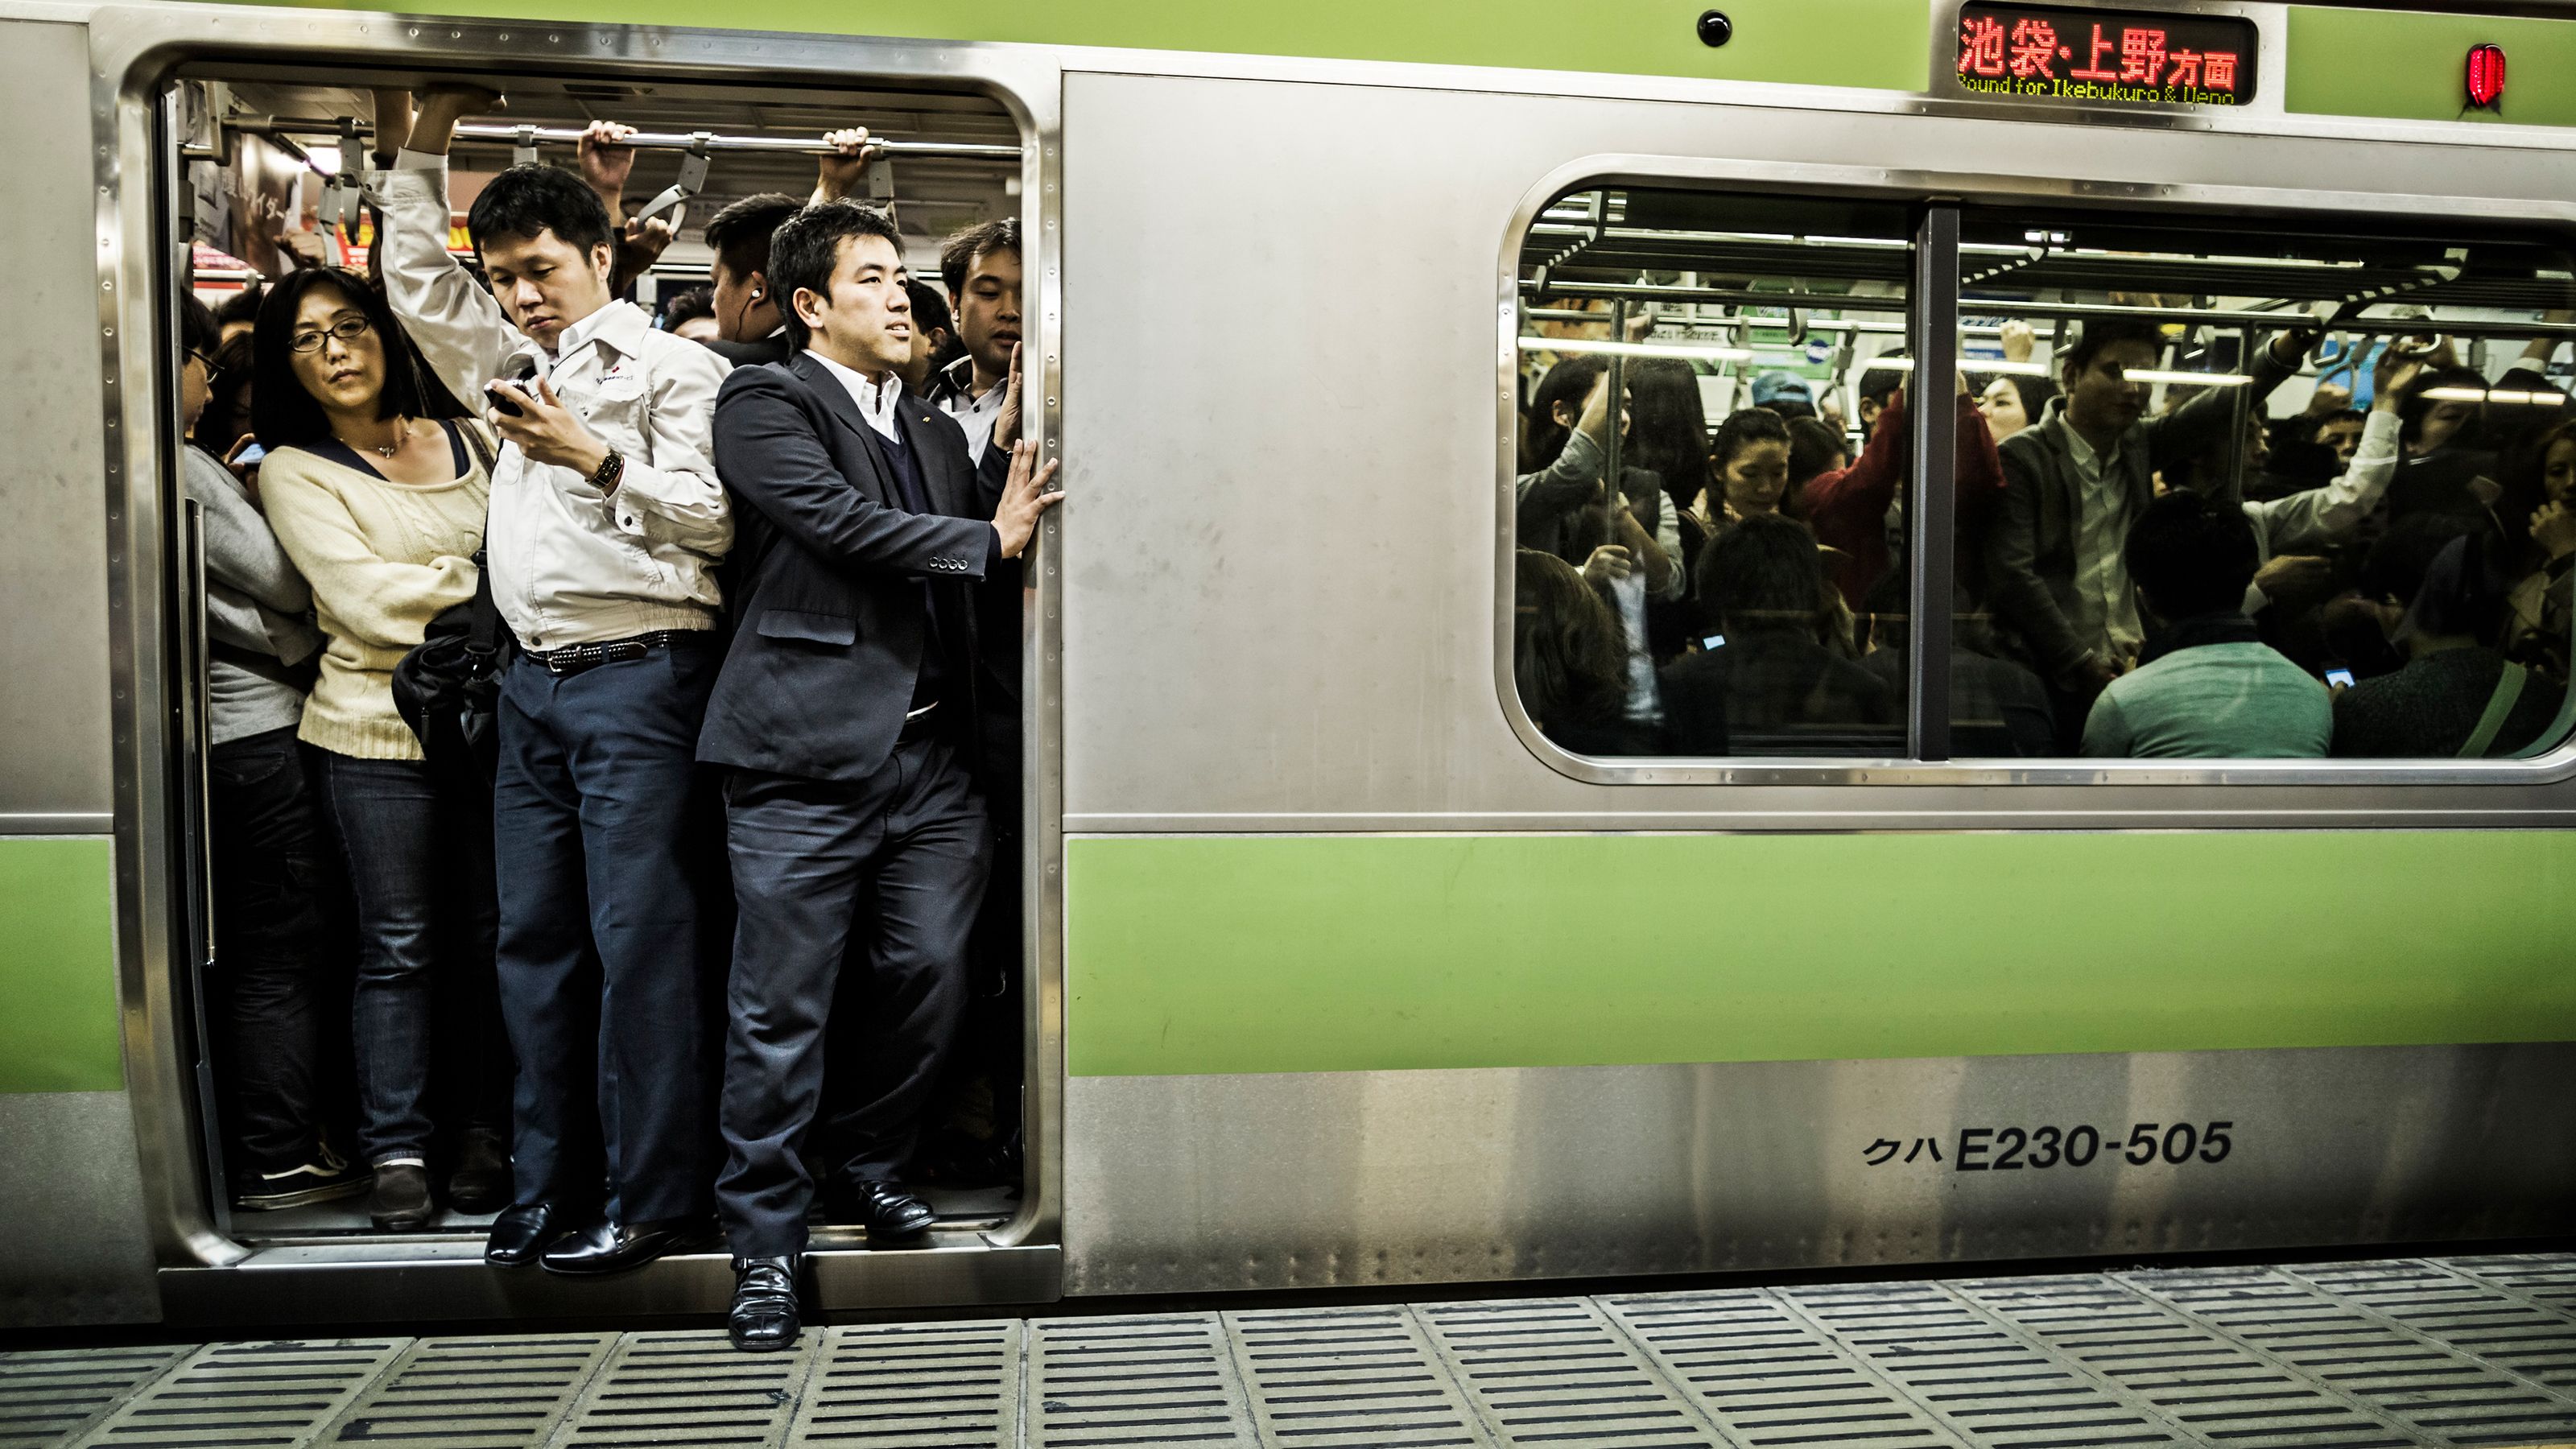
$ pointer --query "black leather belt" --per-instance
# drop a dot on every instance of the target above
(575, 658)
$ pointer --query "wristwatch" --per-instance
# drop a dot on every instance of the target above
(611, 469)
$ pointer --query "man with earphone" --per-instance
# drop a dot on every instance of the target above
(749, 329)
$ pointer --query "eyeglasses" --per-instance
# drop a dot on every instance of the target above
(347, 329)
(207, 362)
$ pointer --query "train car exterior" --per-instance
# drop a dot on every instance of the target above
(1344, 974)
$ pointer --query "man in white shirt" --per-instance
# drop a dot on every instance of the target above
(607, 524)
(981, 268)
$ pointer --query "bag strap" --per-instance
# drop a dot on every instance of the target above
(483, 621)
(2508, 692)
(474, 444)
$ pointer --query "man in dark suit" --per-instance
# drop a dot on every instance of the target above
(845, 720)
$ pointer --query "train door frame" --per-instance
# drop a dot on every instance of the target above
(137, 54)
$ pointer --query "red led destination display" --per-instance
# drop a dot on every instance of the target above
(2105, 57)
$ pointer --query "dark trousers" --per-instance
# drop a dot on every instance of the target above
(601, 916)
(868, 891)
(271, 868)
(419, 857)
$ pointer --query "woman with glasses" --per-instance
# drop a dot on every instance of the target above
(376, 484)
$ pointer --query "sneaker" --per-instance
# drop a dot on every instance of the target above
(481, 1181)
(400, 1202)
(326, 1177)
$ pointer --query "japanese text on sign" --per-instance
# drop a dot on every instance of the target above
(2098, 56)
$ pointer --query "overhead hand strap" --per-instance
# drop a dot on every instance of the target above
(693, 179)
(342, 199)
(523, 147)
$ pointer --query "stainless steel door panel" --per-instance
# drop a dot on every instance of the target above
(1312, 1179)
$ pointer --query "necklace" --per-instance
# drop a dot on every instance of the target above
(402, 431)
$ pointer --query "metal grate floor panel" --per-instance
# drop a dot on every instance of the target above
(2469, 1351)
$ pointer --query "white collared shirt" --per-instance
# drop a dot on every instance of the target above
(876, 400)
(973, 413)
(2106, 606)
(569, 566)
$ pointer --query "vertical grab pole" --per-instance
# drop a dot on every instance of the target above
(1618, 399)
(1931, 513)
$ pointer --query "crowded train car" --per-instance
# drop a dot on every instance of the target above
(805, 659)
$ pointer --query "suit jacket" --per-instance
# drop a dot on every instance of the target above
(830, 615)
(2030, 552)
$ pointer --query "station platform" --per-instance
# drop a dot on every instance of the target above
(2472, 1350)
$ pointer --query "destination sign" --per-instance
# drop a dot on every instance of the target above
(2105, 57)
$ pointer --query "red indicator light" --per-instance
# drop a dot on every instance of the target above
(2486, 76)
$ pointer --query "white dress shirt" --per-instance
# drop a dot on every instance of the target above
(973, 413)
(876, 400)
(568, 565)
(2106, 607)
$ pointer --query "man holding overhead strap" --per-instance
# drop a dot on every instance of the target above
(845, 719)
(749, 326)
(607, 524)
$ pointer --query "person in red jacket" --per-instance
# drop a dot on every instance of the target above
(1848, 508)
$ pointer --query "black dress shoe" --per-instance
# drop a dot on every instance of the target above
(882, 1208)
(522, 1232)
(400, 1202)
(609, 1247)
(481, 1180)
(764, 1304)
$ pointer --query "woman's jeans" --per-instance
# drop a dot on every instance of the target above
(420, 867)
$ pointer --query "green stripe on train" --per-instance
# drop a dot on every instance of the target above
(58, 1030)
(2411, 65)
(1880, 44)
(1227, 954)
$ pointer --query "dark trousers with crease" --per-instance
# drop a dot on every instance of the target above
(602, 913)
(864, 891)
(272, 867)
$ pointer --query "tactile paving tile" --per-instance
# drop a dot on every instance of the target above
(1163, 1379)
(2440, 1395)
(1768, 1376)
(1552, 1371)
(1979, 1374)
(2217, 1391)
(2497, 1328)
(474, 1393)
(248, 1395)
(694, 1389)
(1350, 1378)
(914, 1386)
(49, 1395)
(2547, 1285)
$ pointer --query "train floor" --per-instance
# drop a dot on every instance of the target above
(2472, 1350)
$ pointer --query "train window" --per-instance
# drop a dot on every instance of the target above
(2260, 490)
(1699, 511)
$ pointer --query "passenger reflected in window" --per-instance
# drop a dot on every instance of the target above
(1998, 710)
(2457, 694)
(2542, 612)
(1626, 544)
(1775, 676)
(1855, 511)
(1814, 449)
(1668, 437)
(2207, 686)
(1749, 467)
(1999, 403)
(1570, 661)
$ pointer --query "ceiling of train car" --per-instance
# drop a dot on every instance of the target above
(934, 195)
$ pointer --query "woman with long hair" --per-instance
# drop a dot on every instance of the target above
(376, 485)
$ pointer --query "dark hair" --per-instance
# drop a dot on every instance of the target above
(241, 306)
(283, 413)
(688, 306)
(223, 422)
(198, 329)
(2190, 554)
(2463, 592)
(1742, 429)
(957, 257)
(739, 235)
(1812, 448)
(525, 201)
(929, 309)
(1568, 382)
(1878, 382)
(2095, 336)
(2413, 406)
(1764, 574)
(807, 246)
(2347, 415)
(1569, 652)
(1667, 427)
(2396, 564)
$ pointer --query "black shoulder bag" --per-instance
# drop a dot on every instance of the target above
(449, 686)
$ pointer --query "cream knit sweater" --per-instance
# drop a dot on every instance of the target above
(383, 559)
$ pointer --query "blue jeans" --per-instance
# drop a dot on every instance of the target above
(607, 837)
(420, 867)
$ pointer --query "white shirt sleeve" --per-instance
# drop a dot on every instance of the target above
(457, 325)
(674, 495)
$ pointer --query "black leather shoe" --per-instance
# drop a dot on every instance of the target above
(764, 1304)
(519, 1234)
(882, 1208)
(607, 1247)
(400, 1202)
(481, 1181)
